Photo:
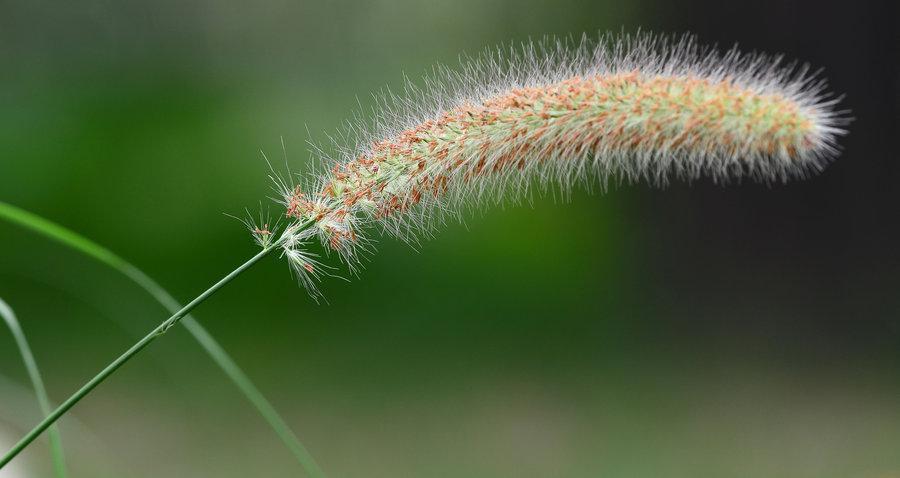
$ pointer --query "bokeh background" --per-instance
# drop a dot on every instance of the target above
(699, 331)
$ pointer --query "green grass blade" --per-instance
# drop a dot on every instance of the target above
(129, 354)
(84, 245)
(34, 373)
(17, 396)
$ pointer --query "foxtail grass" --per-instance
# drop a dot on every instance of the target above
(621, 108)
(624, 108)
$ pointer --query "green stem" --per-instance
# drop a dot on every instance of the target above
(231, 368)
(56, 450)
(90, 248)
(112, 367)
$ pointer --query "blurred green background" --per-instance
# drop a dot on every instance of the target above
(698, 331)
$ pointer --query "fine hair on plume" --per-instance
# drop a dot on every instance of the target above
(554, 114)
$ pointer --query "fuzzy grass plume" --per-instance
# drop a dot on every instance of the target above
(627, 107)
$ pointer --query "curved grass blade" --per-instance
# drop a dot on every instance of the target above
(34, 374)
(84, 245)
(17, 396)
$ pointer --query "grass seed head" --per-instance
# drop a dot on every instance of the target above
(628, 107)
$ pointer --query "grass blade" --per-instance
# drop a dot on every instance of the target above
(84, 245)
(132, 351)
(34, 373)
(17, 396)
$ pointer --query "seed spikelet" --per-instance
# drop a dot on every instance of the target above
(557, 113)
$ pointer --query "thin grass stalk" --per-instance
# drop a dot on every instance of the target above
(161, 329)
(16, 396)
(37, 382)
(209, 344)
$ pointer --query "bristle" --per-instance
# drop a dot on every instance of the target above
(629, 108)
